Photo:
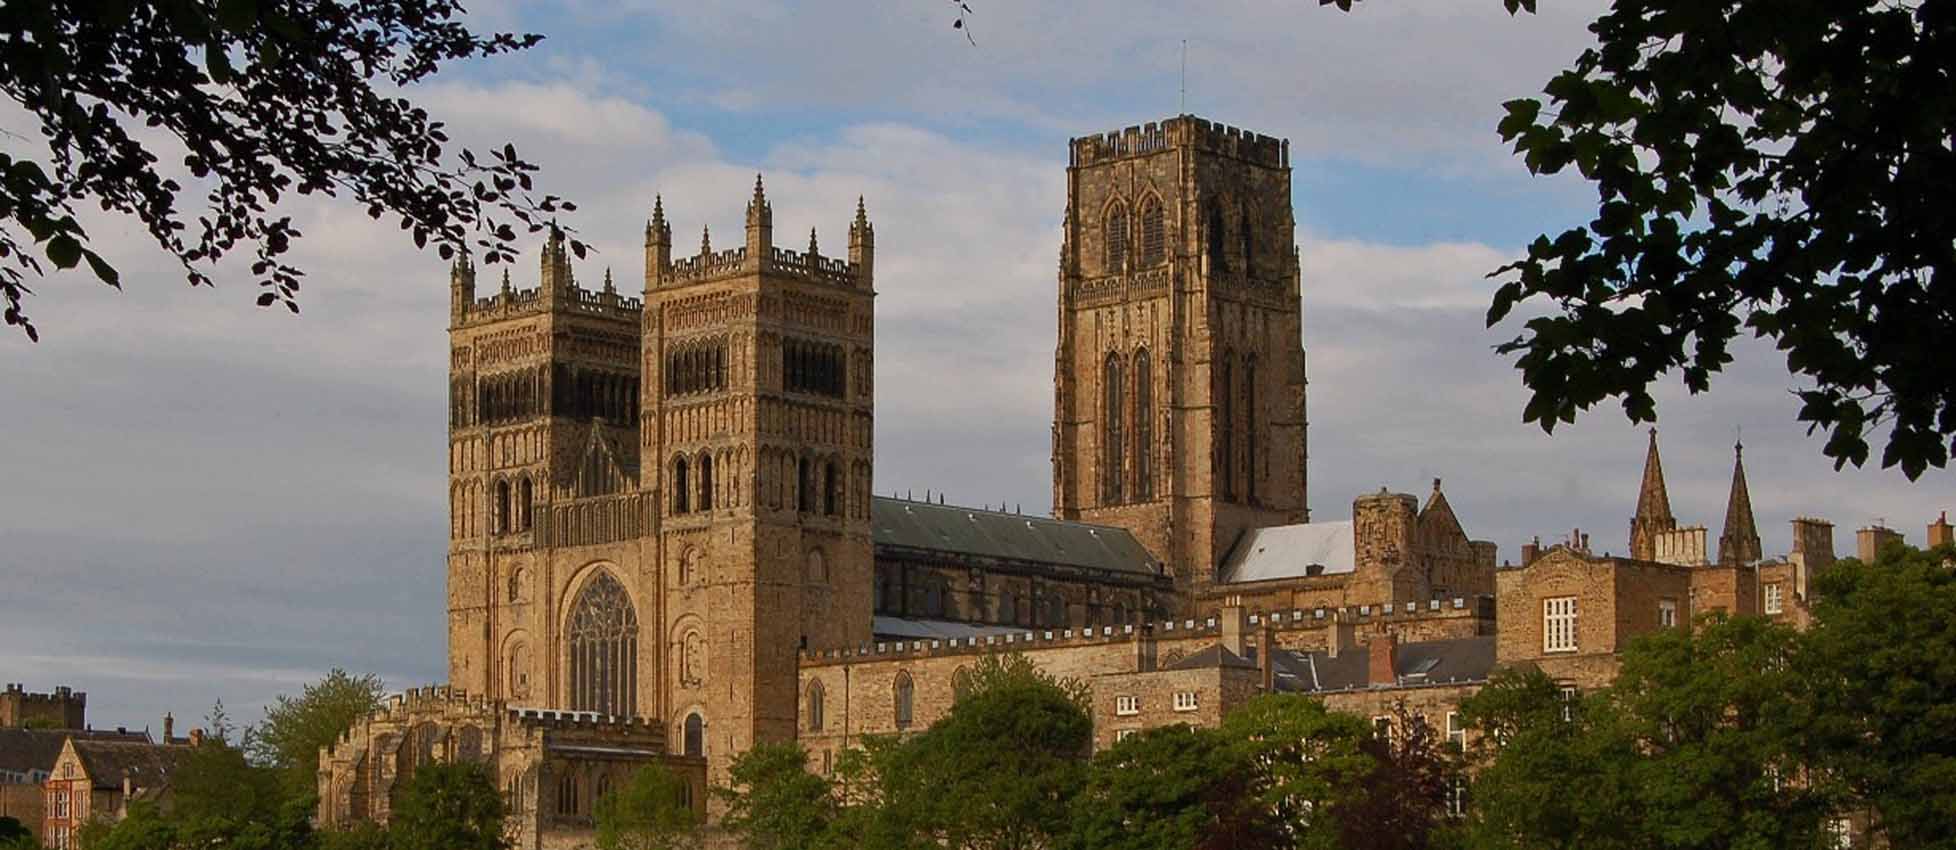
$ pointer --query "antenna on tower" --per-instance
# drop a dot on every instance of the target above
(1182, 106)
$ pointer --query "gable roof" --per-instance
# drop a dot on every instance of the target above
(29, 750)
(1011, 537)
(145, 765)
(1289, 551)
(1215, 655)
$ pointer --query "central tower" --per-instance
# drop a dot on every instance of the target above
(1179, 408)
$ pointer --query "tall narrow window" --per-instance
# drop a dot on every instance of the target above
(706, 481)
(1218, 257)
(1559, 624)
(804, 486)
(1144, 425)
(1153, 240)
(905, 693)
(567, 795)
(525, 496)
(603, 648)
(1110, 417)
(816, 696)
(1251, 413)
(679, 492)
(502, 507)
(1226, 427)
(695, 746)
(1116, 239)
(1248, 235)
(831, 490)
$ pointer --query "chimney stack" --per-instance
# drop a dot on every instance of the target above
(196, 737)
(169, 727)
(1530, 551)
(1233, 622)
(1871, 540)
(1940, 533)
(1338, 635)
(1379, 668)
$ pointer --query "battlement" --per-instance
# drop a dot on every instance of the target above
(781, 261)
(510, 303)
(1295, 619)
(1181, 131)
(63, 708)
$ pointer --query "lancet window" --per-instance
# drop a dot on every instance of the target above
(603, 648)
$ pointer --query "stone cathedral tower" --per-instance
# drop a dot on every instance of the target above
(1180, 389)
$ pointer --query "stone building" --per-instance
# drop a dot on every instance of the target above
(64, 708)
(98, 778)
(665, 547)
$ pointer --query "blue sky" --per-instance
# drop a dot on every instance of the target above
(205, 500)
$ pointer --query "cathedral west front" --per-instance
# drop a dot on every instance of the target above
(664, 543)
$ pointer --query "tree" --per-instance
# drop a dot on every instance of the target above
(1776, 167)
(653, 811)
(13, 836)
(251, 101)
(1881, 661)
(294, 729)
(1700, 743)
(775, 802)
(1403, 803)
(1305, 763)
(998, 772)
(1173, 788)
(449, 806)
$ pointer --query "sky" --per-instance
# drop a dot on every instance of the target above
(205, 501)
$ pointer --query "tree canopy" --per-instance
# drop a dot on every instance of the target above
(144, 105)
(294, 729)
(653, 811)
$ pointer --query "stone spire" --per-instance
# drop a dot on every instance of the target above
(1653, 508)
(862, 245)
(1739, 544)
(658, 245)
(760, 224)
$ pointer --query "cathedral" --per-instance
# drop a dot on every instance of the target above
(664, 543)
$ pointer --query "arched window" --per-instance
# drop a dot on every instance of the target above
(567, 795)
(1144, 425)
(816, 696)
(706, 481)
(695, 736)
(1249, 242)
(679, 491)
(804, 486)
(818, 568)
(831, 490)
(1250, 416)
(1153, 240)
(603, 648)
(960, 684)
(1116, 238)
(1226, 426)
(525, 499)
(502, 507)
(1218, 259)
(1110, 418)
(905, 693)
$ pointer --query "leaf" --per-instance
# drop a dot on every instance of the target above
(64, 251)
(265, 299)
(103, 271)
(237, 16)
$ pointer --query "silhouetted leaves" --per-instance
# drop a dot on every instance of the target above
(265, 99)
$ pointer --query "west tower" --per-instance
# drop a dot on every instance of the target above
(1179, 407)
(758, 416)
(543, 463)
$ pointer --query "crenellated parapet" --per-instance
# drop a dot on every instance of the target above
(758, 254)
(1180, 131)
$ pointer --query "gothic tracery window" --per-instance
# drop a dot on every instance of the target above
(1153, 239)
(1144, 430)
(1110, 418)
(1116, 238)
(603, 648)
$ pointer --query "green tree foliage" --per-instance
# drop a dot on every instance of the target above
(1777, 167)
(1699, 743)
(776, 803)
(653, 811)
(1401, 803)
(1174, 788)
(295, 728)
(1881, 662)
(13, 835)
(217, 797)
(449, 806)
(1305, 763)
(249, 102)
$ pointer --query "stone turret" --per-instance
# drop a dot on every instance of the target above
(1653, 507)
(760, 225)
(1739, 545)
(658, 245)
(862, 246)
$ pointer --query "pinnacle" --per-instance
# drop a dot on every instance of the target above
(811, 242)
(1740, 542)
(1653, 506)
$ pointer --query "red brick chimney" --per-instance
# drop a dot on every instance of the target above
(1379, 669)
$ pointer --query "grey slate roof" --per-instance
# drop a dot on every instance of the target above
(27, 751)
(1213, 656)
(910, 628)
(145, 764)
(1288, 551)
(1427, 662)
(1012, 537)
